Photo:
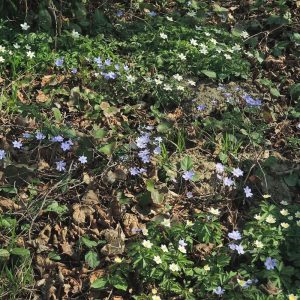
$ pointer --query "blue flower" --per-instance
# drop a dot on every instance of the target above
(17, 144)
(2, 154)
(26, 135)
(119, 13)
(157, 150)
(107, 62)
(60, 166)
(219, 291)
(270, 263)
(144, 156)
(235, 235)
(152, 13)
(82, 159)
(59, 62)
(40, 136)
(201, 107)
(188, 175)
(98, 60)
(252, 102)
(65, 146)
(57, 138)
(74, 70)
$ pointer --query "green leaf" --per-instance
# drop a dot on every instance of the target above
(87, 242)
(57, 114)
(92, 259)
(54, 256)
(107, 149)
(210, 74)
(295, 91)
(186, 164)
(20, 252)
(57, 208)
(99, 133)
(150, 185)
(4, 253)
(164, 127)
(275, 92)
(291, 180)
(99, 283)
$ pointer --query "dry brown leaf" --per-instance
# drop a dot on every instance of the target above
(67, 248)
(41, 97)
(90, 198)
(43, 165)
(115, 241)
(131, 223)
(82, 213)
(46, 79)
(96, 274)
(8, 204)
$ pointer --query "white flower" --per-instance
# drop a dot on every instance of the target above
(244, 34)
(170, 19)
(284, 212)
(203, 49)
(157, 259)
(155, 297)
(16, 46)
(236, 47)
(25, 26)
(189, 223)
(258, 244)
(191, 13)
(163, 36)
(213, 41)
(27, 47)
(182, 56)
(157, 81)
(191, 82)
(145, 231)
(130, 78)
(193, 42)
(2, 49)
(214, 211)
(166, 222)
(167, 87)
(30, 54)
(177, 77)
(284, 202)
(206, 268)
(206, 33)
(147, 244)
(2, 59)
(227, 56)
(257, 217)
(118, 260)
(164, 248)
(174, 267)
(297, 214)
(180, 88)
(285, 225)
(75, 34)
(181, 249)
(270, 219)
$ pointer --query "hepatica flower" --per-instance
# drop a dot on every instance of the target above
(144, 156)
(65, 146)
(189, 195)
(239, 249)
(152, 13)
(57, 138)
(237, 172)
(248, 192)
(60, 166)
(26, 135)
(83, 159)
(40, 136)
(201, 107)
(157, 150)
(219, 291)
(17, 144)
(188, 175)
(252, 102)
(270, 263)
(219, 168)
(119, 13)
(228, 181)
(2, 154)
(74, 70)
(235, 235)
(59, 62)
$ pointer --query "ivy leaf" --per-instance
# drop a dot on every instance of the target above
(210, 74)
(92, 259)
(186, 164)
(107, 149)
(87, 242)
(99, 283)
(4, 253)
(20, 252)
